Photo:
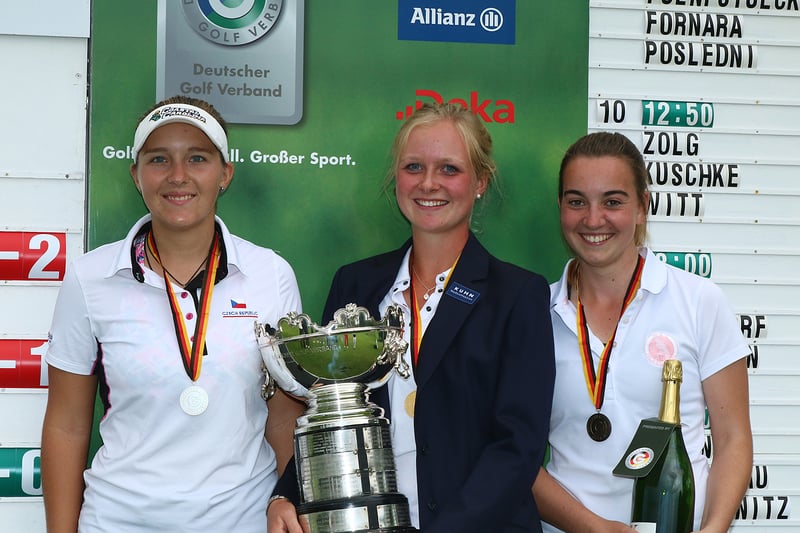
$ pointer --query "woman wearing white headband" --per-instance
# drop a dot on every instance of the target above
(162, 323)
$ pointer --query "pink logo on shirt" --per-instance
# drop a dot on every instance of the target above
(659, 347)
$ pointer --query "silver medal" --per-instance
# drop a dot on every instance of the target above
(194, 400)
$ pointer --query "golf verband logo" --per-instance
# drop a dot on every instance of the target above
(639, 458)
(466, 21)
(232, 22)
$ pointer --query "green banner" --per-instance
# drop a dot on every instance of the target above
(312, 190)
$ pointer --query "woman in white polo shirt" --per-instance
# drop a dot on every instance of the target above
(636, 312)
(162, 322)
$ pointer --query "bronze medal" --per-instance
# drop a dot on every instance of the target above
(598, 427)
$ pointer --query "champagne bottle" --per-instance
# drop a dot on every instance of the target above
(663, 500)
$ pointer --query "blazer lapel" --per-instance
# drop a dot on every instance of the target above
(462, 293)
(365, 283)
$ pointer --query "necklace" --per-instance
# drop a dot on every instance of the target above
(428, 290)
(158, 260)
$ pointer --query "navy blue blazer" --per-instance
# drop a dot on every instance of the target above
(484, 389)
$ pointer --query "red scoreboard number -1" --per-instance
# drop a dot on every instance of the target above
(32, 256)
(22, 364)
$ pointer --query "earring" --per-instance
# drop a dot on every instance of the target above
(478, 196)
(221, 190)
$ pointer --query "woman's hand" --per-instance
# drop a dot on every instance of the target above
(560, 508)
(282, 517)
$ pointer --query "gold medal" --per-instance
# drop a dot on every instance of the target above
(410, 402)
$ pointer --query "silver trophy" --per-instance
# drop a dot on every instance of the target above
(342, 444)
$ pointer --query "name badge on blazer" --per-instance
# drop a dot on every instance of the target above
(462, 293)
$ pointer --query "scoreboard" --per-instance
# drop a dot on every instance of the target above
(709, 90)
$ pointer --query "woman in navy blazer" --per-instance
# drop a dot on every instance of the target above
(469, 428)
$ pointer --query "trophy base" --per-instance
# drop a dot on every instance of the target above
(378, 513)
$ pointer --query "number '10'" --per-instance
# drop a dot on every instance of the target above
(612, 111)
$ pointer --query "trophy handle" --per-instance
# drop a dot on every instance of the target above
(395, 350)
(275, 366)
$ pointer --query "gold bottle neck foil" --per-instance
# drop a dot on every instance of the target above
(671, 376)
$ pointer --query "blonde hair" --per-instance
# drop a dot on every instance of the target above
(473, 131)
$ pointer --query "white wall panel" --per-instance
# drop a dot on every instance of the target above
(777, 356)
(23, 515)
(26, 309)
(674, 84)
(740, 223)
(25, 429)
(44, 52)
(55, 203)
(44, 118)
(57, 18)
(776, 232)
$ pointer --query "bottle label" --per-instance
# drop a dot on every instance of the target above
(645, 527)
(647, 445)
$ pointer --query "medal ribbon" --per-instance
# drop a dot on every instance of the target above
(416, 322)
(192, 353)
(596, 382)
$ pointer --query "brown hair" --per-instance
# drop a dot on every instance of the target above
(188, 100)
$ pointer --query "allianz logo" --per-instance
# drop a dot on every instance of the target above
(490, 19)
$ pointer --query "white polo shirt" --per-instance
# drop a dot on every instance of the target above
(160, 469)
(674, 315)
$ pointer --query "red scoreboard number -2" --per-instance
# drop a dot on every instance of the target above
(31, 256)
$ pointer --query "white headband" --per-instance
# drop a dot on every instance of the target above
(186, 113)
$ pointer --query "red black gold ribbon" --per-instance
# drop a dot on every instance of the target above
(192, 352)
(596, 381)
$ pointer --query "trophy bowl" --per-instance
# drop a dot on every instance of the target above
(342, 443)
(352, 348)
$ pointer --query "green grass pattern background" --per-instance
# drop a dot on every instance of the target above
(357, 75)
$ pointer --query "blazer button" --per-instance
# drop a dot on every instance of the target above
(424, 449)
(432, 506)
